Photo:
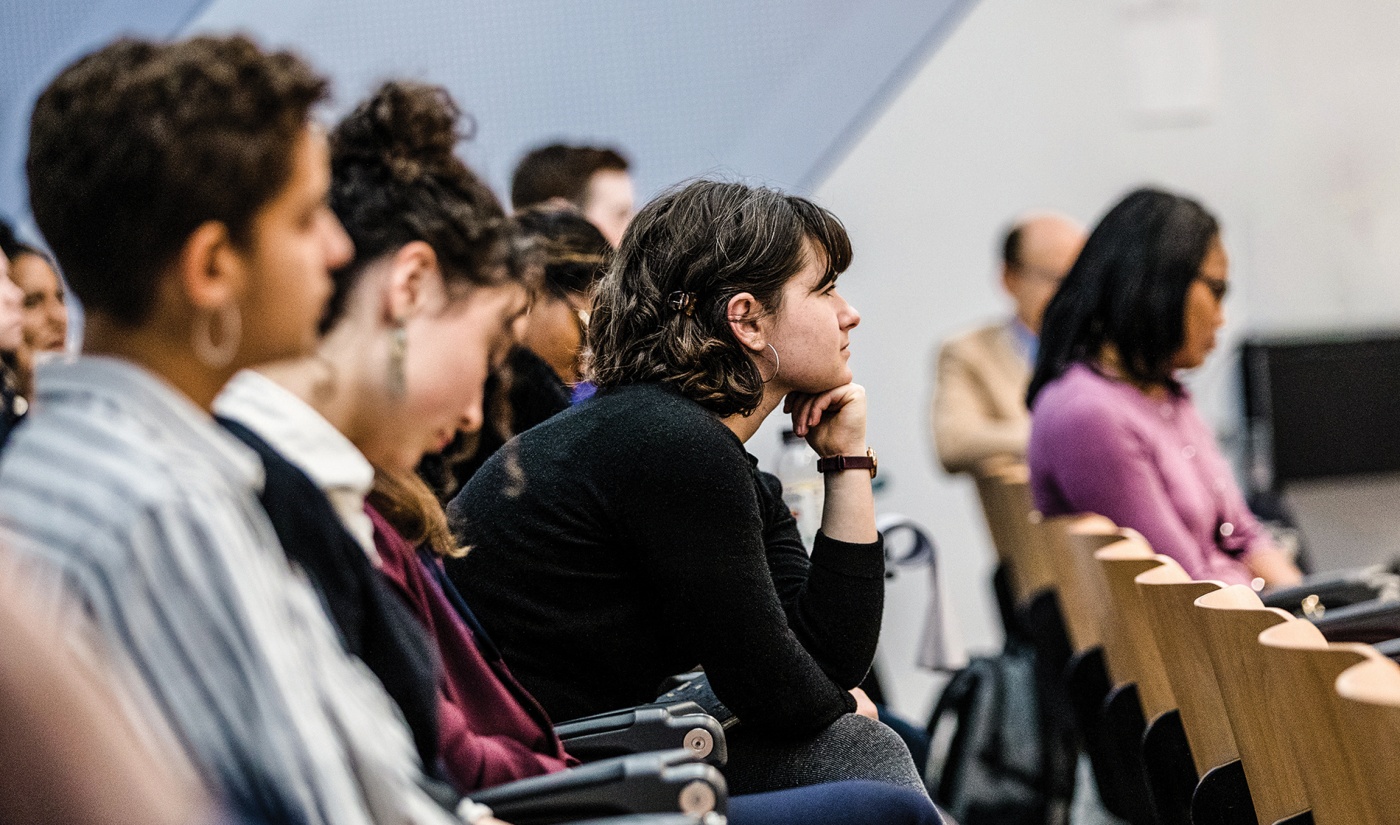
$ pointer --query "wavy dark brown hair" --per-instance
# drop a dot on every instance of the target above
(711, 240)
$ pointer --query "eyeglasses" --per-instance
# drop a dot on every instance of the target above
(1217, 286)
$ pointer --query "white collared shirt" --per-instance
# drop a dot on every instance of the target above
(304, 437)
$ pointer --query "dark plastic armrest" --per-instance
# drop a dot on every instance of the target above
(670, 683)
(658, 820)
(1368, 622)
(646, 783)
(1389, 648)
(646, 728)
(1337, 589)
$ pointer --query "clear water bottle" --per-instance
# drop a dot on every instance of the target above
(804, 489)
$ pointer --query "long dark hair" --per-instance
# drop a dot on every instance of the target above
(1128, 288)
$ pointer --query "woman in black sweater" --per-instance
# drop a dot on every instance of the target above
(632, 536)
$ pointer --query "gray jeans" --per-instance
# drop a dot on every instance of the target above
(852, 747)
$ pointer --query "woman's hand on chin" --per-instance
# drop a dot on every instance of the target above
(833, 422)
(865, 707)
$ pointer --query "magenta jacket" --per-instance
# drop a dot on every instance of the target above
(1099, 445)
(491, 730)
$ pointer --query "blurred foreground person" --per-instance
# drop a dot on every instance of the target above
(183, 190)
(68, 754)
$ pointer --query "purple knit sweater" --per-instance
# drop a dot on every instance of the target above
(1102, 446)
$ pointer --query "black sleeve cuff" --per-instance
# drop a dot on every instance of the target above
(861, 561)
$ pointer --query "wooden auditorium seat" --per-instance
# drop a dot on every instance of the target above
(1145, 704)
(1370, 732)
(1302, 668)
(1233, 619)
(1168, 601)
(1005, 494)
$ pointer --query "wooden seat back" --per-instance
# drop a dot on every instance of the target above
(1234, 618)
(1005, 494)
(1069, 543)
(1136, 646)
(1370, 732)
(1303, 668)
(1168, 596)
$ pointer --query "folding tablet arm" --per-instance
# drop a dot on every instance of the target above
(1368, 622)
(646, 728)
(658, 820)
(1336, 589)
(648, 783)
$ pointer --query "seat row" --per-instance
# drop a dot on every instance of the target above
(1195, 701)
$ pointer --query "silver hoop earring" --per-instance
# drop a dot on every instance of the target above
(398, 351)
(777, 365)
(217, 354)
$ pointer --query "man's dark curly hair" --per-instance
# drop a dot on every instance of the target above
(136, 145)
(712, 241)
(395, 178)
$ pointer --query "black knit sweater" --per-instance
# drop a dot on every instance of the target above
(640, 540)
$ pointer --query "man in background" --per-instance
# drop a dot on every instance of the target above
(979, 402)
(593, 179)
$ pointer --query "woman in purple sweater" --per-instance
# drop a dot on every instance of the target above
(1112, 430)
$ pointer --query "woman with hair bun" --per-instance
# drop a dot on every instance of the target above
(413, 323)
(637, 539)
(1113, 431)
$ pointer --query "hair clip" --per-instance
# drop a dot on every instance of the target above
(682, 302)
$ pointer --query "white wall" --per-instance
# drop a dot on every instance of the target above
(1028, 104)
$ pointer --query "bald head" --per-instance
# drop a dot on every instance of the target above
(1038, 252)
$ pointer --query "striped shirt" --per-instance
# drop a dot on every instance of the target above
(138, 520)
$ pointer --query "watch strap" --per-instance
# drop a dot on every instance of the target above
(839, 463)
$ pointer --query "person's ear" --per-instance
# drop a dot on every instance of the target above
(211, 270)
(415, 279)
(747, 321)
(1008, 279)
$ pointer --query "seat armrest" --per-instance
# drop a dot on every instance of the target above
(657, 820)
(647, 783)
(646, 728)
(1390, 648)
(1367, 622)
(1337, 589)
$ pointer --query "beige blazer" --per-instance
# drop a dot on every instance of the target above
(979, 399)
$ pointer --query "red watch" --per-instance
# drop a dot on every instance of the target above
(838, 463)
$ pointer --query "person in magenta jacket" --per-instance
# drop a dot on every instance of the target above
(1113, 431)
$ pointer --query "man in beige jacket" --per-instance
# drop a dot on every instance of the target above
(979, 403)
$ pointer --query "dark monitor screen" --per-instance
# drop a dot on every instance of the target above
(1324, 406)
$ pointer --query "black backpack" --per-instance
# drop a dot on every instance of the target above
(988, 762)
